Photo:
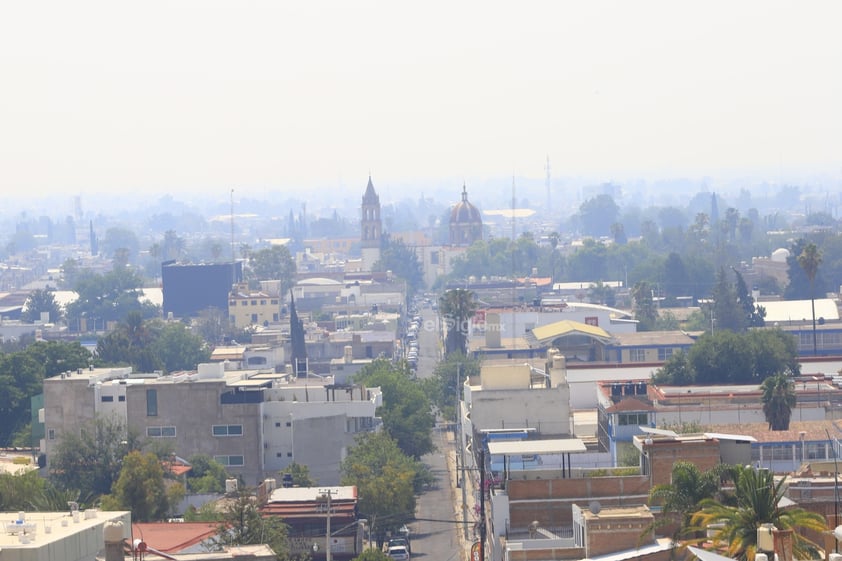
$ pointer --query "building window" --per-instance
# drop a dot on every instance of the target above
(121, 398)
(637, 355)
(151, 403)
(633, 419)
(228, 430)
(254, 318)
(278, 424)
(254, 302)
(274, 302)
(232, 303)
(51, 434)
(289, 424)
(275, 317)
(279, 455)
(230, 461)
(160, 432)
(289, 454)
(263, 302)
(107, 398)
(664, 353)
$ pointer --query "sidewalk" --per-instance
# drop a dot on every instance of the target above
(456, 494)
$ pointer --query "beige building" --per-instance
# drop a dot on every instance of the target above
(247, 307)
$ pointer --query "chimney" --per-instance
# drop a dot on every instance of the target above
(113, 534)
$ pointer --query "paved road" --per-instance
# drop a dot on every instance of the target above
(435, 536)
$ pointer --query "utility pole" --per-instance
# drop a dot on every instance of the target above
(461, 444)
(327, 495)
(482, 535)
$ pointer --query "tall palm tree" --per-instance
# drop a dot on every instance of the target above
(809, 260)
(680, 498)
(778, 400)
(758, 498)
(457, 307)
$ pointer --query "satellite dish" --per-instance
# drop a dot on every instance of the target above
(594, 507)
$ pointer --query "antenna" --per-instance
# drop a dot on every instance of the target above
(233, 254)
(549, 199)
(514, 273)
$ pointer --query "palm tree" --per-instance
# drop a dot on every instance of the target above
(809, 260)
(680, 498)
(457, 307)
(758, 498)
(778, 400)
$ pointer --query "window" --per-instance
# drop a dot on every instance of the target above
(664, 353)
(278, 424)
(228, 430)
(160, 432)
(254, 302)
(275, 317)
(263, 302)
(254, 318)
(51, 434)
(637, 355)
(107, 398)
(232, 303)
(635, 419)
(230, 461)
(274, 301)
(279, 455)
(289, 454)
(151, 403)
(121, 398)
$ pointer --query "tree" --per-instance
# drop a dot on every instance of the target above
(753, 314)
(680, 498)
(273, 263)
(140, 487)
(778, 400)
(299, 474)
(597, 215)
(40, 301)
(206, 475)
(402, 260)
(727, 313)
(457, 306)
(89, 459)
(809, 260)
(105, 298)
(444, 387)
(644, 306)
(406, 412)
(243, 524)
(676, 371)
(757, 501)
(372, 554)
(722, 358)
(385, 478)
(297, 339)
(178, 348)
(800, 287)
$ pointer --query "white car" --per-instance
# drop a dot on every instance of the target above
(399, 553)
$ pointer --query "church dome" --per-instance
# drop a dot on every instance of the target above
(465, 222)
(464, 212)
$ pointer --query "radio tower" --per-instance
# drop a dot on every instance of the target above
(549, 199)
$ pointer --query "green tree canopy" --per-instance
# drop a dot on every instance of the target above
(402, 260)
(406, 412)
(40, 301)
(443, 388)
(243, 524)
(273, 263)
(88, 458)
(206, 475)
(140, 488)
(385, 480)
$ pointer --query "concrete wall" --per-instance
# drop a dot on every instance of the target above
(68, 405)
(545, 409)
(551, 500)
(194, 408)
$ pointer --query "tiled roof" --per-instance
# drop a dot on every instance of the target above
(176, 536)
(629, 404)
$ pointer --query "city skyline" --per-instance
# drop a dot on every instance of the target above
(201, 97)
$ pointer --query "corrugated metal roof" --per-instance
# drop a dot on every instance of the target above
(567, 327)
(799, 310)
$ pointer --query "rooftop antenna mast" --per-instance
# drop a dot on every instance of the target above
(233, 255)
(514, 262)
(549, 199)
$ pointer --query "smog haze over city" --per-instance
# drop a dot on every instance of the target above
(118, 102)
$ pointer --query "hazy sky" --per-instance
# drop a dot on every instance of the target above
(172, 96)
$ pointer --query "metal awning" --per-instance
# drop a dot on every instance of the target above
(537, 447)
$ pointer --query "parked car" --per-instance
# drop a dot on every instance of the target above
(398, 553)
(400, 541)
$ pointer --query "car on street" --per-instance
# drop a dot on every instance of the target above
(400, 541)
(398, 553)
